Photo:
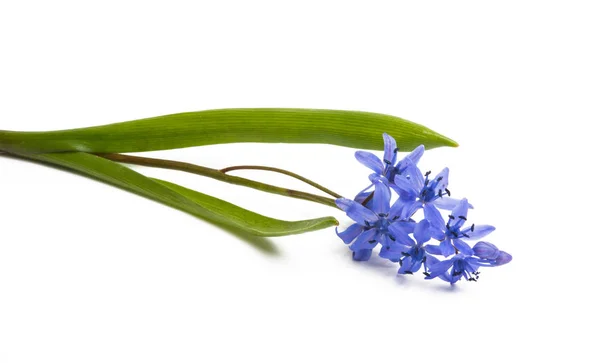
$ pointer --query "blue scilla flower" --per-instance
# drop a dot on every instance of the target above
(414, 187)
(453, 232)
(415, 255)
(483, 254)
(387, 168)
(381, 224)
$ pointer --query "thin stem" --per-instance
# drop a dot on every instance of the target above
(217, 174)
(282, 171)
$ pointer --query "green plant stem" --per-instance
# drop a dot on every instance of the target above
(218, 175)
(281, 171)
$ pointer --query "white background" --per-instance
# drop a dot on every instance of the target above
(90, 273)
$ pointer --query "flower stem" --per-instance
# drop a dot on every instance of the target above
(281, 171)
(218, 175)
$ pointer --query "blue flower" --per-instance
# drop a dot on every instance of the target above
(414, 257)
(451, 234)
(381, 224)
(387, 168)
(414, 188)
(483, 254)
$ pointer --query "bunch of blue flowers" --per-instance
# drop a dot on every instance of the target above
(440, 246)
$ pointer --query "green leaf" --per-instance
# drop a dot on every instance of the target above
(355, 129)
(201, 205)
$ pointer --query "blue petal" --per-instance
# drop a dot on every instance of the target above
(406, 185)
(434, 250)
(448, 203)
(366, 240)
(460, 211)
(393, 252)
(356, 211)
(350, 233)
(416, 154)
(463, 247)
(381, 198)
(421, 232)
(446, 248)
(389, 147)
(414, 175)
(486, 250)
(441, 180)
(396, 209)
(370, 161)
(439, 268)
(434, 217)
(399, 235)
(361, 255)
(503, 258)
(478, 231)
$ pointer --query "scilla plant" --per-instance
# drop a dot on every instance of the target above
(385, 212)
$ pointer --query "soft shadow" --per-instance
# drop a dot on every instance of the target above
(262, 244)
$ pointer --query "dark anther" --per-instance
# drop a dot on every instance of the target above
(440, 193)
(387, 161)
(383, 215)
(396, 150)
(393, 238)
(463, 218)
(472, 279)
(427, 173)
(387, 248)
(405, 254)
(426, 274)
(367, 223)
(447, 192)
(466, 235)
(455, 234)
(451, 216)
(456, 273)
(440, 178)
(395, 218)
(373, 241)
(473, 227)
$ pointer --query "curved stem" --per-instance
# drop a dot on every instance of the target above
(281, 171)
(217, 174)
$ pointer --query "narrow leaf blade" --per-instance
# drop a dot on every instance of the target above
(354, 129)
(198, 204)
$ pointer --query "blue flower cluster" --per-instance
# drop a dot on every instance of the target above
(439, 246)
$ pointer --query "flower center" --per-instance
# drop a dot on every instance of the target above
(428, 193)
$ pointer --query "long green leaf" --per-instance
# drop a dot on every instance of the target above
(345, 128)
(201, 205)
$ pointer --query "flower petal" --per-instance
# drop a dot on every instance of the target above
(356, 211)
(478, 231)
(433, 249)
(434, 217)
(405, 185)
(370, 161)
(439, 268)
(460, 211)
(446, 247)
(366, 240)
(393, 252)
(421, 232)
(486, 250)
(462, 247)
(389, 147)
(350, 233)
(448, 203)
(381, 198)
(416, 154)
(399, 235)
(503, 258)
(361, 255)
